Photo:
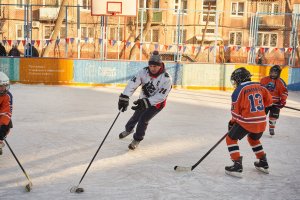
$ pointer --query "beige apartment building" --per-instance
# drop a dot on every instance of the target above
(223, 29)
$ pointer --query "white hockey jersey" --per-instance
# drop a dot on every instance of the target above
(156, 89)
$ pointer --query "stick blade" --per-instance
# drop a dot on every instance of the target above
(182, 169)
(28, 187)
(76, 189)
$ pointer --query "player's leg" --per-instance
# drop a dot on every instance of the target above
(236, 133)
(261, 164)
(273, 116)
(142, 126)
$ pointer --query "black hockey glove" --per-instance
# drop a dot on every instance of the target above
(3, 131)
(230, 125)
(141, 104)
(123, 102)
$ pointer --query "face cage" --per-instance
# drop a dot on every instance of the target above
(7, 87)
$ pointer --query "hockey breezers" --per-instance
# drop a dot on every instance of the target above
(77, 189)
(180, 168)
(28, 187)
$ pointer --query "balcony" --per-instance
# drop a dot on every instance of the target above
(47, 13)
(271, 21)
(157, 16)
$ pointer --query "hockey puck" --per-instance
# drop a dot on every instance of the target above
(28, 188)
(79, 190)
(175, 168)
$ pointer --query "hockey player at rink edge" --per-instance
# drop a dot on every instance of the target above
(156, 84)
(249, 100)
(279, 92)
(6, 101)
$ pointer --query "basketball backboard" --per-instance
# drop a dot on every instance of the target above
(114, 7)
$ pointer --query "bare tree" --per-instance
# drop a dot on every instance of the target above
(149, 14)
(58, 23)
(204, 31)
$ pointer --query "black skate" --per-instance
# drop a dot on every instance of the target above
(262, 164)
(133, 144)
(272, 132)
(125, 134)
(236, 169)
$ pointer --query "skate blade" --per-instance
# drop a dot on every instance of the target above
(266, 171)
(234, 174)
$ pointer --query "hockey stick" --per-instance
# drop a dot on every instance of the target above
(28, 187)
(292, 108)
(77, 189)
(180, 168)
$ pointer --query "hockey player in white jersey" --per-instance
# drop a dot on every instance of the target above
(156, 84)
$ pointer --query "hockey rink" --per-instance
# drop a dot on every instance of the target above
(57, 130)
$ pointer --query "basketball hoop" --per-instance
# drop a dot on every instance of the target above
(114, 8)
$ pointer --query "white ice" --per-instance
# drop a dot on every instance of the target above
(57, 130)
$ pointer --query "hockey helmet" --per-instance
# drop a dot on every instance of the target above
(275, 72)
(239, 76)
(4, 81)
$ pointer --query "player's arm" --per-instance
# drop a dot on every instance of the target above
(132, 85)
(284, 94)
(5, 116)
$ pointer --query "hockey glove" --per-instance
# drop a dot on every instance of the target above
(141, 104)
(230, 125)
(123, 102)
(3, 131)
(281, 104)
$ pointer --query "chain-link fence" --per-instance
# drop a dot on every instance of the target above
(186, 32)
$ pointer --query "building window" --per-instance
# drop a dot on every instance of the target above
(213, 8)
(155, 4)
(20, 3)
(85, 4)
(48, 32)
(235, 38)
(19, 31)
(54, 3)
(113, 33)
(182, 4)
(267, 39)
(84, 32)
(182, 36)
(268, 8)
(237, 8)
(152, 36)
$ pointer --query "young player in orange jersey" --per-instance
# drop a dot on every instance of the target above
(279, 92)
(5, 108)
(249, 101)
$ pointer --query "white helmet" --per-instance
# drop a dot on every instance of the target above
(4, 81)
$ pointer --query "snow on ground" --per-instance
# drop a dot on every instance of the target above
(58, 129)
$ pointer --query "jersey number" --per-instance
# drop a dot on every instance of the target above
(252, 98)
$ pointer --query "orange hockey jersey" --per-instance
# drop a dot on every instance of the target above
(6, 102)
(249, 100)
(277, 88)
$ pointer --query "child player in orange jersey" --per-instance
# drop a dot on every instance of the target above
(249, 101)
(279, 92)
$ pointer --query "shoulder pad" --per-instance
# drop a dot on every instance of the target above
(167, 74)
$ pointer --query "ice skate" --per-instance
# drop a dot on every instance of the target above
(262, 164)
(133, 144)
(236, 169)
(272, 131)
(125, 134)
